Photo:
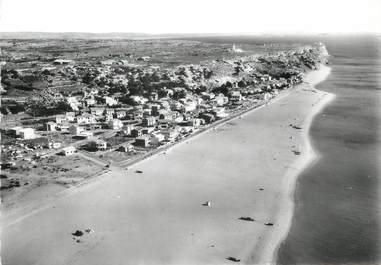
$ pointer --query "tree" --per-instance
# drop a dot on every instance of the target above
(179, 94)
(44, 102)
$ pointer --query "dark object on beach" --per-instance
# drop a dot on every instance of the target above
(261, 188)
(77, 233)
(269, 224)
(107, 166)
(89, 230)
(208, 203)
(295, 127)
(296, 152)
(246, 218)
(233, 259)
(138, 171)
(78, 241)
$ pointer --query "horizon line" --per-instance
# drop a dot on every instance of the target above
(194, 33)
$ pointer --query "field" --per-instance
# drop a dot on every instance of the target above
(54, 172)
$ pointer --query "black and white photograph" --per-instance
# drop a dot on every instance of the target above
(203, 132)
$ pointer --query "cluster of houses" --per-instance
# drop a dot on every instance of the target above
(148, 120)
(150, 123)
(29, 150)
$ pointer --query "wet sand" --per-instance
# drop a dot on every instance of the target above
(157, 217)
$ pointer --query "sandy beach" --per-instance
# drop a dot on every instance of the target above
(245, 167)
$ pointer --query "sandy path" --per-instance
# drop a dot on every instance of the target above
(157, 217)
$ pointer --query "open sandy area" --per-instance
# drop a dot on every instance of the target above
(246, 167)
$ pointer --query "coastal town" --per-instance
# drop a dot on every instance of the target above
(65, 119)
(190, 132)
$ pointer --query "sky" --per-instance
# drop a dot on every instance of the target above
(194, 16)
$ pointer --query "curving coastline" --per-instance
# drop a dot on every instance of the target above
(309, 155)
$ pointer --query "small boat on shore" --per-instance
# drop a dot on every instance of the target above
(295, 127)
(246, 218)
(233, 259)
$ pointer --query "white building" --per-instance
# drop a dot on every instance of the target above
(126, 129)
(194, 122)
(178, 119)
(1, 88)
(90, 101)
(63, 127)
(109, 117)
(87, 134)
(101, 145)
(106, 62)
(70, 116)
(74, 103)
(149, 121)
(170, 134)
(120, 114)
(235, 96)
(97, 111)
(63, 61)
(157, 138)
(189, 106)
(27, 133)
(85, 119)
(115, 124)
(54, 145)
(60, 119)
(70, 150)
(109, 111)
(51, 126)
(165, 104)
(220, 113)
(265, 96)
(127, 148)
(110, 101)
(221, 100)
(207, 96)
(76, 130)
(139, 100)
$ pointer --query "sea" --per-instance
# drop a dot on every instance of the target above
(337, 199)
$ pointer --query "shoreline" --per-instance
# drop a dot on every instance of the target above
(307, 159)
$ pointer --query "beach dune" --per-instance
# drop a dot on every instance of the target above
(245, 167)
